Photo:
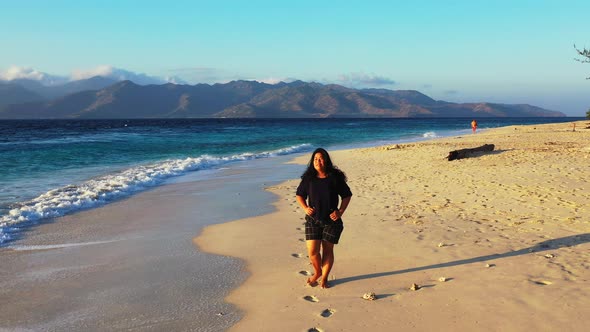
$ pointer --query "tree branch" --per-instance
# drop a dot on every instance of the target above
(585, 53)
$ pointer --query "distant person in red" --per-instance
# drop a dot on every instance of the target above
(474, 126)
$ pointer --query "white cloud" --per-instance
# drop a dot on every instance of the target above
(269, 80)
(175, 80)
(361, 80)
(116, 74)
(79, 74)
(210, 75)
(274, 80)
(203, 75)
(16, 72)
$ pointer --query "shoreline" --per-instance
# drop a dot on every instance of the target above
(505, 229)
(111, 181)
(131, 264)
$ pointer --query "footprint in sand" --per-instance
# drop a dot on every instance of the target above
(311, 298)
(299, 228)
(301, 240)
(315, 329)
(305, 273)
(297, 255)
(327, 313)
(541, 282)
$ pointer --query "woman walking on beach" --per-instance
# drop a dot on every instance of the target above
(317, 193)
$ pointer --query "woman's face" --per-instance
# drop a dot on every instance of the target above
(319, 162)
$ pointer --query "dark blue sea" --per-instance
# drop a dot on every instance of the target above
(49, 168)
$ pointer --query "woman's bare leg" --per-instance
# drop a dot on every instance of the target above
(313, 251)
(327, 262)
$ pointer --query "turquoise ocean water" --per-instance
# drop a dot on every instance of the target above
(49, 168)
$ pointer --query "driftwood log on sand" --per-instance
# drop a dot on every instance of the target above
(466, 153)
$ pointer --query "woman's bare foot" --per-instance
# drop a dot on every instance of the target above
(324, 284)
(313, 280)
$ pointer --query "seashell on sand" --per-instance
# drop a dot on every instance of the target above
(369, 296)
(414, 287)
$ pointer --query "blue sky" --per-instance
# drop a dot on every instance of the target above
(460, 51)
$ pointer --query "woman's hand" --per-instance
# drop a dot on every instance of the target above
(308, 210)
(335, 215)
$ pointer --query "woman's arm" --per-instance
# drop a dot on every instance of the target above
(308, 210)
(343, 205)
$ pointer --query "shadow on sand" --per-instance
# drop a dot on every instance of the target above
(567, 241)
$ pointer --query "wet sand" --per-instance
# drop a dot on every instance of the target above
(132, 265)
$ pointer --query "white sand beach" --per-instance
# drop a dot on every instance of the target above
(508, 230)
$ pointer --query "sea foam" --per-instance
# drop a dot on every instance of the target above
(101, 190)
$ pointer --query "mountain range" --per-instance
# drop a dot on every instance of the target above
(105, 98)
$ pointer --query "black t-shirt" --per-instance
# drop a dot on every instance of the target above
(323, 194)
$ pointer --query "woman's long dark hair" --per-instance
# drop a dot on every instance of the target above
(331, 169)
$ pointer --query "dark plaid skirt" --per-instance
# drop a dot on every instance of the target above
(329, 231)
